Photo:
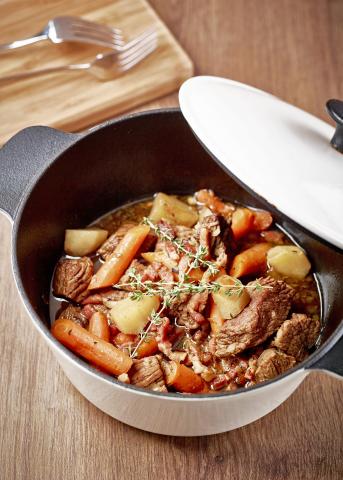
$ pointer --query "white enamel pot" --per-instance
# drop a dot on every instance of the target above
(51, 180)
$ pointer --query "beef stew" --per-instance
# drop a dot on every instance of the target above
(190, 294)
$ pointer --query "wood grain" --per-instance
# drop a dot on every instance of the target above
(47, 430)
(75, 100)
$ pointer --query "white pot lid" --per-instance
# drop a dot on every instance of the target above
(279, 151)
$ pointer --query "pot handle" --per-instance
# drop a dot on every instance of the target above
(335, 110)
(330, 360)
(24, 157)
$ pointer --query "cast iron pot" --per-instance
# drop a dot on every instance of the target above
(52, 180)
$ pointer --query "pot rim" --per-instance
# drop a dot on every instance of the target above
(77, 361)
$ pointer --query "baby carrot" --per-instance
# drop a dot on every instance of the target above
(262, 220)
(97, 351)
(242, 221)
(124, 339)
(147, 347)
(98, 325)
(116, 264)
(250, 261)
(182, 378)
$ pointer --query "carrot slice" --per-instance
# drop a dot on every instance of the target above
(147, 347)
(262, 220)
(250, 261)
(216, 320)
(194, 275)
(242, 222)
(183, 378)
(273, 236)
(124, 339)
(97, 351)
(115, 265)
(98, 325)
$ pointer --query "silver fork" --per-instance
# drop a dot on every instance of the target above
(72, 29)
(105, 66)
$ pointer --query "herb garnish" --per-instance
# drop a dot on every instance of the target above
(170, 291)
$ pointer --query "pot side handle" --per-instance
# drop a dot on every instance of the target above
(331, 360)
(24, 157)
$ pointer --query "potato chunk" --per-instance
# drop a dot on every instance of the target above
(172, 210)
(131, 316)
(289, 260)
(83, 241)
(230, 305)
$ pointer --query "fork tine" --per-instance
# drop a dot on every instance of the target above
(121, 45)
(134, 56)
(129, 54)
(81, 22)
(90, 32)
(98, 26)
(145, 37)
(95, 31)
(139, 58)
(99, 38)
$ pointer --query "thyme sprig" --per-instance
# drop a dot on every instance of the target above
(198, 258)
(169, 291)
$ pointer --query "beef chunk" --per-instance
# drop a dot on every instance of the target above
(208, 229)
(188, 309)
(108, 247)
(75, 314)
(165, 347)
(138, 267)
(271, 363)
(216, 236)
(72, 277)
(154, 272)
(165, 246)
(296, 335)
(225, 244)
(147, 373)
(184, 233)
(194, 356)
(171, 254)
(148, 243)
(89, 310)
(181, 233)
(211, 201)
(101, 302)
(110, 295)
(267, 310)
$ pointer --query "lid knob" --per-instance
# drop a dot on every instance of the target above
(335, 110)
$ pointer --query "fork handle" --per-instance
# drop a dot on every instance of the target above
(21, 43)
(45, 71)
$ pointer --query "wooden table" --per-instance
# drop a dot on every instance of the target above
(291, 48)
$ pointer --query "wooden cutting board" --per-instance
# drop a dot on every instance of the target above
(75, 100)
